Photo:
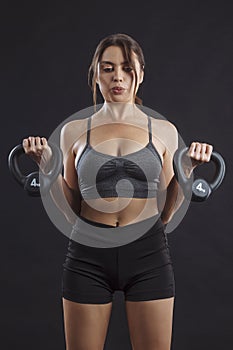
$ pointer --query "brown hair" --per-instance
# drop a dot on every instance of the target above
(127, 44)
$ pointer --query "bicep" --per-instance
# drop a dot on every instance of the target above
(69, 171)
(171, 145)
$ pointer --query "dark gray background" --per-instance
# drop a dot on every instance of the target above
(46, 49)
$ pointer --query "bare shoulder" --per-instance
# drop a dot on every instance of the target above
(71, 131)
(163, 125)
(166, 131)
(72, 126)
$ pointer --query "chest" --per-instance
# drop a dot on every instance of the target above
(118, 140)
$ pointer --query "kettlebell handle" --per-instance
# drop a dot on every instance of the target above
(46, 180)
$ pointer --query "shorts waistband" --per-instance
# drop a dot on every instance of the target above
(156, 217)
(94, 223)
(102, 235)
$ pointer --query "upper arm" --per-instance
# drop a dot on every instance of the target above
(68, 137)
(170, 139)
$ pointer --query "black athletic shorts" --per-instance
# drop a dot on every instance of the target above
(142, 269)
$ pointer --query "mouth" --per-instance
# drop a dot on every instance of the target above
(117, 90)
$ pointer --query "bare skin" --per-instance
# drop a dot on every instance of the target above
(85, 325)
(120, 138)
(119, 128)
(150, 324)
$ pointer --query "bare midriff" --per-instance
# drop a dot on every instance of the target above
(118, 211)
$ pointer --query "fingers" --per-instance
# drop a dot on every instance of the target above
(34, 143)
(200, 151)
(44, 141)
(34, 146)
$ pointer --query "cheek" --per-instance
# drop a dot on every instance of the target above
(103, 84)
(132, 77)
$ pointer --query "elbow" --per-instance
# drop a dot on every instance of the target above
(166, 218)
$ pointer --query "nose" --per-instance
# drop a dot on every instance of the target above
(117, 74)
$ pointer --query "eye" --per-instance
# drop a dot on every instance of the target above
(128, 68)
(107, 69)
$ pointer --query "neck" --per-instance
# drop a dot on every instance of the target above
(119, 111)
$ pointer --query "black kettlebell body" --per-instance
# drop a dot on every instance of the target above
(200, 189)
(35, 183)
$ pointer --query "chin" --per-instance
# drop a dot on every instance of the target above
(120, 99)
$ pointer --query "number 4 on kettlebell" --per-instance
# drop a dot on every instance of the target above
(200, 188)
(34, 183)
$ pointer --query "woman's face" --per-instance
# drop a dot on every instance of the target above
(116, 79)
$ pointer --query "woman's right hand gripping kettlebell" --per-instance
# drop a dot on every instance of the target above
(37, 149)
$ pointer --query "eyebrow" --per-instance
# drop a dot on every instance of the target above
(113, 64)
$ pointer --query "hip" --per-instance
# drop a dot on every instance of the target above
(150, 243)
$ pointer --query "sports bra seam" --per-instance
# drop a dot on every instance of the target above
(80, 157)
(160, 159)
(110, 156)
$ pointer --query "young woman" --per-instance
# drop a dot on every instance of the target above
(120, 140)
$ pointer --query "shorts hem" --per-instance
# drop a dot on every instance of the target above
(152, 296)
(85, 300)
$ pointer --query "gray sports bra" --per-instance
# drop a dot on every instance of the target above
(134, 175)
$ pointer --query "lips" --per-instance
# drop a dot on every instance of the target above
(118, 89)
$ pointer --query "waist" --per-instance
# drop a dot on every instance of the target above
(99, 235)
(118, 211)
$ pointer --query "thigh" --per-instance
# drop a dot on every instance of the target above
(85, 325)
(146, 269)
(87, 274)
(150, 323)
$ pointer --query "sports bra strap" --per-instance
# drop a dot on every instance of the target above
(88, 129)
(149, 127)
